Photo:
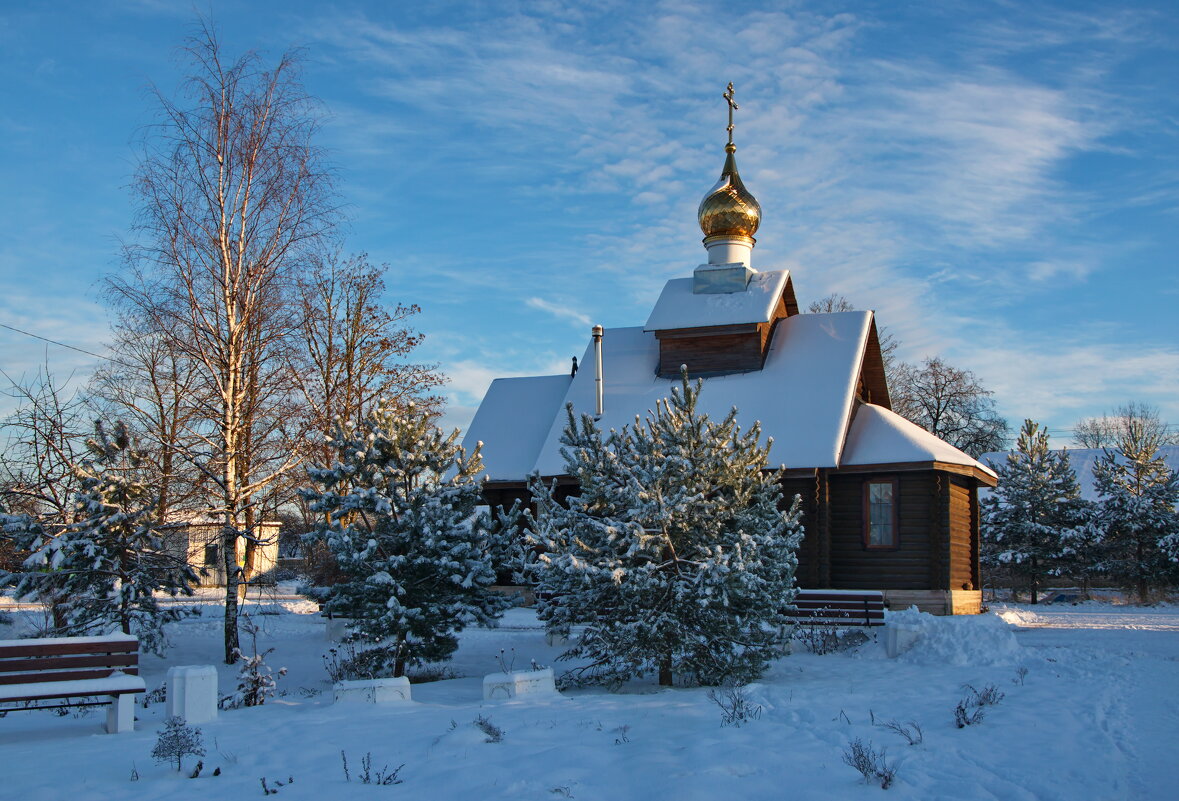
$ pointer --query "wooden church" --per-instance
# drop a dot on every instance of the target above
(887, 506)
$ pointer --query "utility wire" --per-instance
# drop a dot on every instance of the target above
(64, 345)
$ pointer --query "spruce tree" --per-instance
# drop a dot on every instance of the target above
(103, 571)
(1030, 514)
(404, 527)
(675, 554)
(1136, 512)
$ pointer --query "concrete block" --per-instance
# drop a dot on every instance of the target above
(120, 715)
(518, 682)
(373, 691)
(900, 637)
(192, 693)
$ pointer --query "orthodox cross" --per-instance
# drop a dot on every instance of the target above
(728, 95)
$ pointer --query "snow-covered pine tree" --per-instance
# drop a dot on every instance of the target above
(1136, 512)
(104, 570)
(1083, 549)
(405, 531)
(1030, 514)
(675, 555)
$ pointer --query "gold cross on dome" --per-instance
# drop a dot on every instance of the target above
(728, 95)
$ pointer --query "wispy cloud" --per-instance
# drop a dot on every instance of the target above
(899, 179)
(561, 311)
(949, 167)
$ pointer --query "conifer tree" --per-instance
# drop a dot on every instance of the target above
(675, 555)
(1028, 517)
(406, 533)
(104, 569)
(1136, 513)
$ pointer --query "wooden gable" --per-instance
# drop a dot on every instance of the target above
(872, 386)
(719, 349)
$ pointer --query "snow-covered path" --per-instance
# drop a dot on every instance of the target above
(1122, 663)
(1093, 616)
(1094, 718)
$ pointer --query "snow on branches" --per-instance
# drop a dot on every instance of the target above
(1136, 519)
(100, 572)
(675, 555)
(401, 520)
(1034, 510)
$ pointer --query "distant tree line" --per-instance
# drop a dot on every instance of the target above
(1037, 528)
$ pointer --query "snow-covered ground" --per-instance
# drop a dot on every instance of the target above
(1095, 717)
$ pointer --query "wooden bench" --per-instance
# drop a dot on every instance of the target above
(73, 671)
(838, 607)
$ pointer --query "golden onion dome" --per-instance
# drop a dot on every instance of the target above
(729, 209)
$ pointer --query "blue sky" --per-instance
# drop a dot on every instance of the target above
(998, 180)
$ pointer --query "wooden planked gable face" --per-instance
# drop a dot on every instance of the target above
(716, 350)
(873, 385)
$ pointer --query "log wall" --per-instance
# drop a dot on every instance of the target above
(937, 513)
(937, 533)
(963, 535)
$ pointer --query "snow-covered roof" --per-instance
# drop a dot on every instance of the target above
(679, 307)
(803, 396)
(1082, 460)
(512, 422)
(880, 436)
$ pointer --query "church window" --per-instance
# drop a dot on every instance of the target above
(880, 513)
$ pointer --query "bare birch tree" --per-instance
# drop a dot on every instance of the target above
(156, 390)
(356, 348)
(234, 203)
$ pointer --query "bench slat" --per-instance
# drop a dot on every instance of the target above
(46, 696)
(871, 597)
(809, 604)
(62, 662)
(838, 607)
(28, 648)
(64, 675)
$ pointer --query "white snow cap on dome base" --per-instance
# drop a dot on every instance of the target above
(880, 436)
(680, 307)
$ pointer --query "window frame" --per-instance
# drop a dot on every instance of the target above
(866, 528)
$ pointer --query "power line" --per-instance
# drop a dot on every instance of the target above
(64, 345)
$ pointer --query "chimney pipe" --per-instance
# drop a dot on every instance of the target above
(598, 386)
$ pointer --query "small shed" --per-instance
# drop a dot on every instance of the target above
(199, 544)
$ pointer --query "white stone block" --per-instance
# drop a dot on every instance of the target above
(337, 628)
(518, 682)
(899, 637)
(373, 691)
(120, 714)
(192, 693)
